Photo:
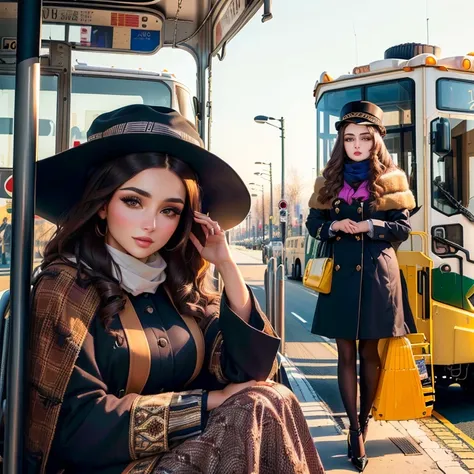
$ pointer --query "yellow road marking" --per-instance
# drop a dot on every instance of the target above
(330, 348)
(453, 429)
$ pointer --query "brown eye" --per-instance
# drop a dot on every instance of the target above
(131, 201)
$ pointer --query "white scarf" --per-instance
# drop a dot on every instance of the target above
(138, 277)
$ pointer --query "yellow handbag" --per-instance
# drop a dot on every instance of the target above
(318, 271)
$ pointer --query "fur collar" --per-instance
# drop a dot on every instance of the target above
(396, 192)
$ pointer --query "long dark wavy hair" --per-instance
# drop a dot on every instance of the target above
(380, 163)
(187, 280)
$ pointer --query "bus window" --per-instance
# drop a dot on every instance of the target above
(94, 95)
(185, 103)
(47, 117)
(452, 182)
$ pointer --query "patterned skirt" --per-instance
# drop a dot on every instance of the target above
(260, 430)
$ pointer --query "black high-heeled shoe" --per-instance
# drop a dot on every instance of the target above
(360, 463)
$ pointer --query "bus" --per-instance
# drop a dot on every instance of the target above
(295, 257)
(45, 88)
(428, 104)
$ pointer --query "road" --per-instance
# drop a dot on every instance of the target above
(321, 371)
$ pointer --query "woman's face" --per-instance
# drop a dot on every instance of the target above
(358, 142)
(144, 212)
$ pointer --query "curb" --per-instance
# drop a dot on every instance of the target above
(305, 393)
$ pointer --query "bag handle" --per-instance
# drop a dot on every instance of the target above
(138, 349)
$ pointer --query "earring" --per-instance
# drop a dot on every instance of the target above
(99, 232)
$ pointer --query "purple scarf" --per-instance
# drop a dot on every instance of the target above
(348, 193)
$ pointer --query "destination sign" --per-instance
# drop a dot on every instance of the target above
(227, 19)
(86, 17)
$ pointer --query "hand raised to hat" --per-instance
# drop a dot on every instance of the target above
(215, 250)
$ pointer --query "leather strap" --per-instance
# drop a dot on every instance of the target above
(138, 349)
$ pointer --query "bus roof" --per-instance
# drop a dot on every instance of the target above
(203, 27)
(462, 63)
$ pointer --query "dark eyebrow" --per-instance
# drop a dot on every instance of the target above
(138, 191)
(177, 200)
(148, 195)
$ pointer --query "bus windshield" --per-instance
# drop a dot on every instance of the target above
(396, 98)
(94, 95)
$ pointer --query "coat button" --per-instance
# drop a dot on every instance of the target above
(162, 342)
(337, 202)
(337, 268)
(149, 309)
(359, 210)
(338, 237)
(357, 237)
(381, 236)
(337, 210)
(358, 268)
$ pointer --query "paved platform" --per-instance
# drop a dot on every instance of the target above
(435, 448)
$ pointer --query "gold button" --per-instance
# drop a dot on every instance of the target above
(359, 210)
(358, 268)
(337, 210)
(162, 342)
(357, 237)
(337, 268)
(381, 236)
(149, 309)
(338, 237)
(337, 202)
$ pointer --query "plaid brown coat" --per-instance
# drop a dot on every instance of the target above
(55, 343)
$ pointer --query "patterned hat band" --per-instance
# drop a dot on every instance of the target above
(363, 115)
(144, 127)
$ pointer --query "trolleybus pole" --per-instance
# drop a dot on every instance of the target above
(24, 156)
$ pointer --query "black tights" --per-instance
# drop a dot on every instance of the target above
(347, 377)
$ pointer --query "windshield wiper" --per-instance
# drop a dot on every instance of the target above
(456, 204)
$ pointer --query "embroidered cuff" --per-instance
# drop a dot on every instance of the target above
(185, 415)
(156, 421)
(144, 466)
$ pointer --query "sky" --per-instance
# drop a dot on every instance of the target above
(271, 68)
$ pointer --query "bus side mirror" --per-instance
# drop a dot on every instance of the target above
(442, 137)
(197, 107)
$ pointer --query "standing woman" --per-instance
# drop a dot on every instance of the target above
(361, 207)
(136, 365)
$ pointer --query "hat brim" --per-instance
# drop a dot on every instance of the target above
(361, 121)
(61, 179)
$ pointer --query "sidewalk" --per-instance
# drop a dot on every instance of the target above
(424, 442)
(424, 455)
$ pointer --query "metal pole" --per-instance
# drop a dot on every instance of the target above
(280, 307)
(263, 215)
(24, 157)
(283, 224)
(271, 204)
(270, 291)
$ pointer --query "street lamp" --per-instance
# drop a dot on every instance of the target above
(267, 120)
(261, 188)
(264, 176)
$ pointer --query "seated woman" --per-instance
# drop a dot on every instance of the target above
(137, 366)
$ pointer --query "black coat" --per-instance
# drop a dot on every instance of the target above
(366, 299)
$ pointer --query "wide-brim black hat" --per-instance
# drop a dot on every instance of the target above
(62, 178)
(362, 112)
